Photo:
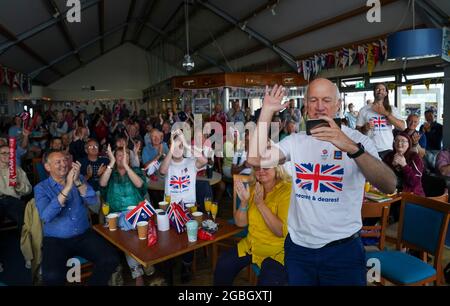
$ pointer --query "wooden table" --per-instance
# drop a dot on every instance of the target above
(169, 245)
(158, 185)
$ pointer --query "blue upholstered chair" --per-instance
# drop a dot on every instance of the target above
(422, 227)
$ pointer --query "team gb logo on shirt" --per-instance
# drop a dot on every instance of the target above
(314, 177)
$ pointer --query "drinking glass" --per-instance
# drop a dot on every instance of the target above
(105, 211)
(214, 209)
(207, 205)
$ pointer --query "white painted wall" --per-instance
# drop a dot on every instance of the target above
(122, 73)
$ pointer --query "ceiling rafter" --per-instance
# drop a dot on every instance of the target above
(230, 28)
(9, 35)
(54, 11)
(315, 27)
(180, 24)
(174, 43)
(43, 26)
(130, 14)
(283, 54)
(146, 16)
(101, 23)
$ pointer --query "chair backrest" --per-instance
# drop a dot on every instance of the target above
(423, 224)
(236, 199)
(375, 210)
(442, 198)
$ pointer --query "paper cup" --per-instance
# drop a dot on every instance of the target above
(112, 221)
(163, 221)
(142, 228)
(198, 216)
(163, 205)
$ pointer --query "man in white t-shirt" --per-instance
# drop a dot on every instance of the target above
(378, 119)
(329, 171)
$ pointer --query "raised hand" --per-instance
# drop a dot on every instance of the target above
(126, 159)
(242, 191)
(76, 171)
(101, 170)
(110, 154)
(272, 99)
(259, 194)
(89, 172)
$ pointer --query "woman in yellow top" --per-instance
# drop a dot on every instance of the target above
(264, 208)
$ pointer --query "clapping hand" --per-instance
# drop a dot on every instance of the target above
(380, 109)
(110, 154)
(242, 191)
(259, 194)
(399, 160)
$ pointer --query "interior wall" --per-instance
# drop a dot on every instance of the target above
(121, 73)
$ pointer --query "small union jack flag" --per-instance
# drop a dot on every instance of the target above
(180, 183)
(142, 212)
(325, 178)
(379, 121)
(178, 216)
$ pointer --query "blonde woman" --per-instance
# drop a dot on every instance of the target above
(264, 209)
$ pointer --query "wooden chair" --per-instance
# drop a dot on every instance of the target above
(375, 210)
(422, 227)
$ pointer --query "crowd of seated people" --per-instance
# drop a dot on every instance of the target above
(108, 152)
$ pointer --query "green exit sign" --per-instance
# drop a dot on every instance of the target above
(360, 84)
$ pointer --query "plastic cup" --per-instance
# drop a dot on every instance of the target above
(112, 221)
(142, 228)
(192, 229)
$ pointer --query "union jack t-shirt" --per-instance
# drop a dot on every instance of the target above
(327, 189)
(180, 181)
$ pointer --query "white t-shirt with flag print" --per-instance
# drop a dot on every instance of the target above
(382, 134)
(180, 181)
(327, 189)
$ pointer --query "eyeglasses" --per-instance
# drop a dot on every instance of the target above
(259, 169)
(93, 147)
(402, 141)
(4, 153)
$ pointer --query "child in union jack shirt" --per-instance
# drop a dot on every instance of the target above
(180, 171)
(180, 175)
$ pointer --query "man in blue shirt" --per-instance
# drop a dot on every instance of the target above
(61, 201)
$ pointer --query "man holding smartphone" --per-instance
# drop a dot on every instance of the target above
(329, 170)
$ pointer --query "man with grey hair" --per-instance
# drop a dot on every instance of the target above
(329, 169)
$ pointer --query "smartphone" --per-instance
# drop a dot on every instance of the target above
(315, 123)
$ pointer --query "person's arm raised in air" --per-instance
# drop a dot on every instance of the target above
(373, 169)
(258, 141)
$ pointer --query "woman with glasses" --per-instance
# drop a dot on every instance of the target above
(93, 166)
(264, 209)
(407, 165)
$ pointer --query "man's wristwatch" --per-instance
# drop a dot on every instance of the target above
(78, 185)
(358, 153)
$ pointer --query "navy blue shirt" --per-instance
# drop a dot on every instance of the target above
(58, 221)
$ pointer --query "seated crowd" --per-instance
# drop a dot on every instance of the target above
(295, 224)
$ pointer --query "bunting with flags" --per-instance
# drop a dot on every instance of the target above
(366, 55)
(15, 80)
